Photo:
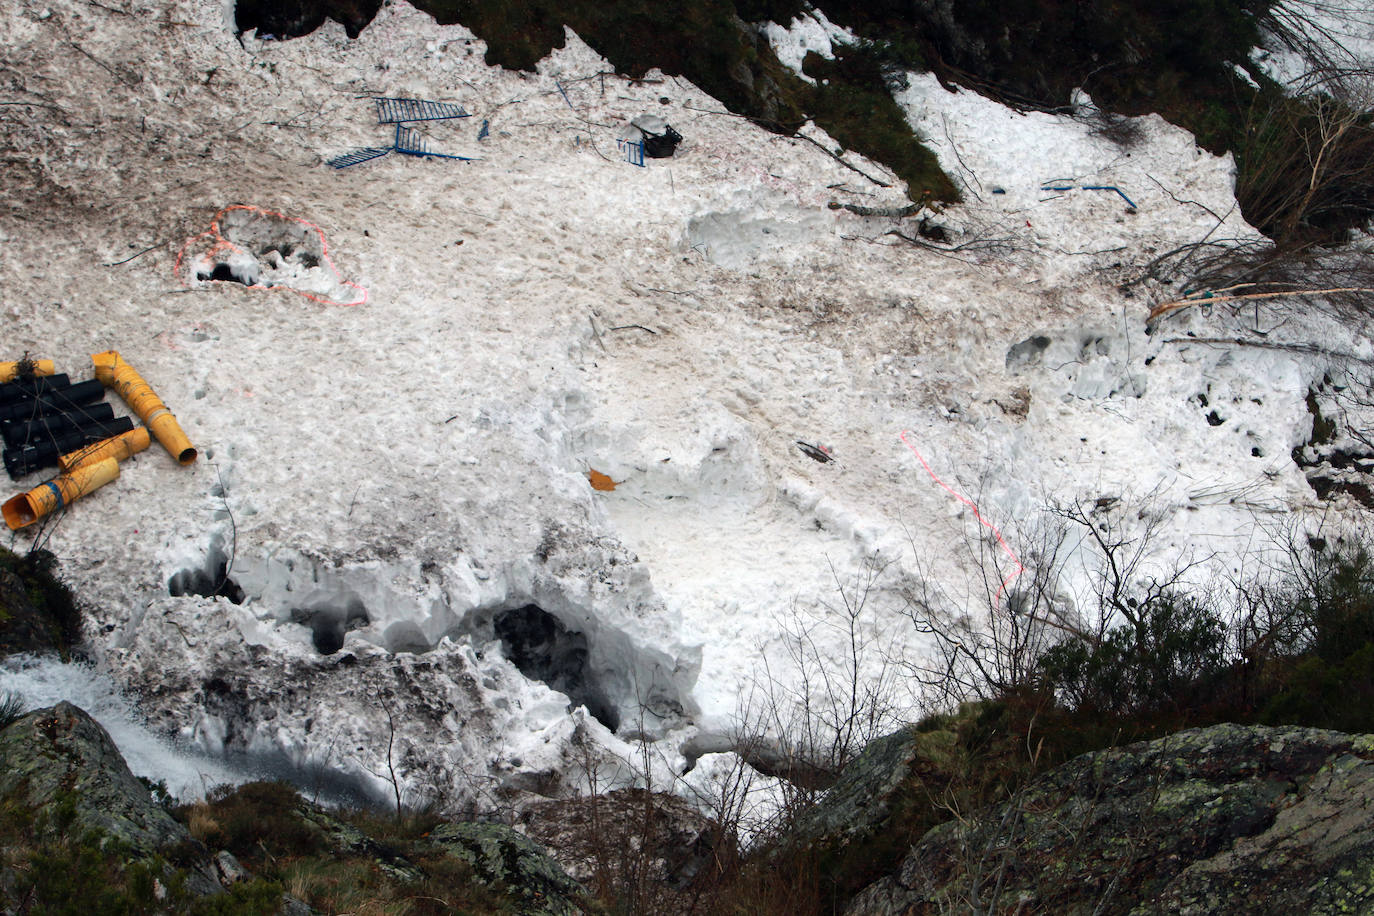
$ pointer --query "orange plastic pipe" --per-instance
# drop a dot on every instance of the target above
(125, 445)
(27, 508)
(10, 371)
(111, 369)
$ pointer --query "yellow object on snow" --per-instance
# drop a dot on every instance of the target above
(10, 371)
(125, 445)
(111, 369)
(27, 508)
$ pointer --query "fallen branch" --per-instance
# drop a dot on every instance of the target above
(1271, 345)
(853, 168)
(889, 212)
(1165, 308)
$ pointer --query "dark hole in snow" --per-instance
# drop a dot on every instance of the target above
(328, 625)
(226, 273)
(210, 582)
(1214, 419)
(545, 650)
(1027, 352)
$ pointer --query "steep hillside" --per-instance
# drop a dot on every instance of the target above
(536, 473)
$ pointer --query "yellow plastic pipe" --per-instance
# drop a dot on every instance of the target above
(125, 445)
(119, 375)
(27, 508)
(10, 371)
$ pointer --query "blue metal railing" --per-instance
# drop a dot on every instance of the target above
(407, 141)
(359, 156)
(1060, 186)
(411, 142)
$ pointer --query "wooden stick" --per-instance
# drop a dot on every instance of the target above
(1165, 308)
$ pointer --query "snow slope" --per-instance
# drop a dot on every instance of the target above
(403, 473)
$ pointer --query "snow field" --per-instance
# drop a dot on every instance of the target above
(399, 474)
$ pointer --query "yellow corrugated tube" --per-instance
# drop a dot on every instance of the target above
(27, 508)
(125, 445)
(111, 369)
(10, 371)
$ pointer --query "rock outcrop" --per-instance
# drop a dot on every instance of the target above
(59, 766)
(502, 857)
(61, 754)
(1222, 819)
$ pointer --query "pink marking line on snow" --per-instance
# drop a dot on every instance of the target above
(976, 514)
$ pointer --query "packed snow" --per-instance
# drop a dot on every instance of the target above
(394, 480)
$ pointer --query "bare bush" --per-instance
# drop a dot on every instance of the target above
(985, 643)
(839, 687)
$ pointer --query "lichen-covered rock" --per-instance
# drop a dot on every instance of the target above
(343, 837)
(862, 796)
(668, 841)
(61, 769)
(503, 857)
(61, 756)
(1222, 819)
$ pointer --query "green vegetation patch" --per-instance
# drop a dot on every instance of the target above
(345, 861)
(37, 611)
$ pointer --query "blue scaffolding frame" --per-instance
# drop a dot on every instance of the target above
(407, 141)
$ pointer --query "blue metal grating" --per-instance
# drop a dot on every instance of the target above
(358, 156)
(394, 111)
(410, 141)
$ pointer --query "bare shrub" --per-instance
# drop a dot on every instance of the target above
(839, 688)
(985, 643)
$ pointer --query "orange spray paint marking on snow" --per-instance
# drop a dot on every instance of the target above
(221, 244)
(976, 514)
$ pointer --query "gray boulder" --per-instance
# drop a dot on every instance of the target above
(60, 756)
(60, 765)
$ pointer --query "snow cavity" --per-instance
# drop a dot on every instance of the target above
(264, 249)
(209, 580)
(545, 650)
(547, 635)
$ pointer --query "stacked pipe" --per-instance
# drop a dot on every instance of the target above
(27, 508)
(111, 369)
(41, 417)
(46, 420)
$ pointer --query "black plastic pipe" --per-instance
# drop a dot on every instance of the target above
(20, 432)
(29, 458)
(26, 389)
(62, 401)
